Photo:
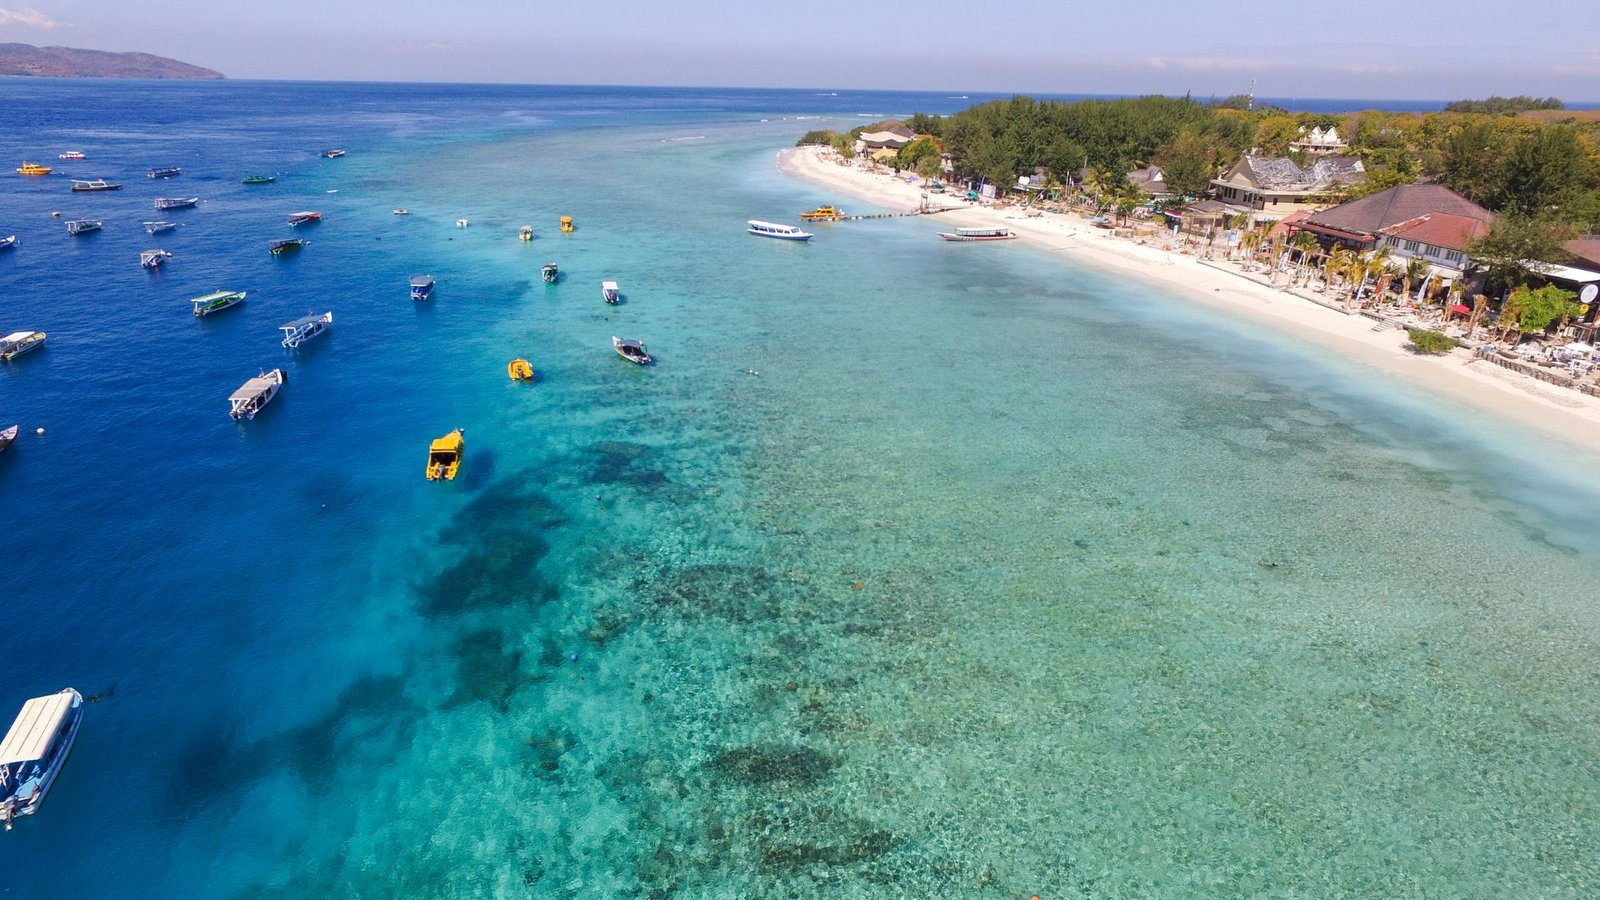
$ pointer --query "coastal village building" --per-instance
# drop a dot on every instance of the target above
(1151, 181)
(1429, 222)
(881, 144)
(1273, 187)
(1320, 141)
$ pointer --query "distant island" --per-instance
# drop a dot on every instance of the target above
(67, 62)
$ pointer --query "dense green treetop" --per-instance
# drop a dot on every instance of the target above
(1496, 106)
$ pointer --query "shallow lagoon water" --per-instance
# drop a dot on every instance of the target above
(1001, 577)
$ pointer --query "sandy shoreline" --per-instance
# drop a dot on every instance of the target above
(1564, 415)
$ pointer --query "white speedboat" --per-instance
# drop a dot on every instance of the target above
(17, 343)
(610, 291)
(255, 394)
(774, 230)
(35, 749)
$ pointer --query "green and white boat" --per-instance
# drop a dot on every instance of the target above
(216, 301)
(260, 179)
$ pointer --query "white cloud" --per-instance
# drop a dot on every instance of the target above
(28, 17)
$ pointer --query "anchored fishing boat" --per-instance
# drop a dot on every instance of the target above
(163, 172)
(17, 343)
(979, 234)
(256, 393)
(83, 226)
(421, 287)
(304, 217)
(216, 301)
(520, 370)
(152, 259)
(7, 242)
(461, 223)
(94, 184)
(401, 211)
(158, 227)
(29, 168)
(259, 179)
(74, 154)
(549, 272)
(525, 233)
(8, 437)
(34, 750)
(631, 350)
(332, 154)
(774, 230)
(610, 291)
(279, 248)
(444, 456)
(176, 202)
(305, 328)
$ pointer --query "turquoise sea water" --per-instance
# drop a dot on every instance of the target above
(1001, 577)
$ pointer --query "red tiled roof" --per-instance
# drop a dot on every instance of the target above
(1439, 230)
(1375, 212)
(1289, 222)
(1585, 249)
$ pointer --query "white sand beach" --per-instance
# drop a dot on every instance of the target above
(1561, 414)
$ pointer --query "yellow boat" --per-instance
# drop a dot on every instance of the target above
(520, 370)
(566, 224)
(822, 214)
(444, 456)
(29, 168)
(525, 233)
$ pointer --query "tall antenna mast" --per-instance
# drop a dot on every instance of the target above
(1252, 104)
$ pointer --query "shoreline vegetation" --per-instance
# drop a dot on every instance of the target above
(1240, 288)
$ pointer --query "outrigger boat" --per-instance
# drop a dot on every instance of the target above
(96, 184)
(8, 437)
(255, 394)
(163, 172)
(35, 749)
(631, 350)
(152, 259)
(17, 343)
(332, 154)
(259, 179)
(305, 328)
(216, 301)
(421, 287)
(83, 226)
(566, 224)
(774, 230)
(520, 370)
(74, 154)
(29, 168)
(525, 233)
(279, 248)
(176, 202)
(158, 227)
(305, 217)
(444, 456)
(609, 290)
(822, 214)
(549, 272)
(979, 234)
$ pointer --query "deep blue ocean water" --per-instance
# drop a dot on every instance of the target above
(907, 571)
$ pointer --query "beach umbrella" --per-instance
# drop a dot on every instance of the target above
(1461, 308)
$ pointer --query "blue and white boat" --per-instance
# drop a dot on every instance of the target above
(421, 287)
(163, 172)
(774, 230)
(305, 328)
(35, 749)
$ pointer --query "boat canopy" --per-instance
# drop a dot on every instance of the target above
(253, 388)
(17, 337)
(421, 280)
(772, 226)
(608, 285)
(36, 726)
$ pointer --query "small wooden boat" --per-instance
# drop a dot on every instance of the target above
(73, 154)
(525, 233)
(163, 172)
(520, 370)
(176, 202)
(17, 343)
(152, 259)
(83, 226)
(979, 234)
(34, 751)
(549, 272)
(7, 242)
(158, 227)
(256, 393)
(216, 301)
(421, 287)
(444, 456)
(305, 328)
(280, 248)
(8, 437)
(332, 154)
(259, 179)
(774, 230)
(95, 184)
(566, 224)
(631, 350)
(610, 291)
(29, 168)
(822, 214)
(305, 217)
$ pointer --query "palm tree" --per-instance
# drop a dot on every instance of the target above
(1337, 265)
(1249, 242)
(1480, 306)
(1415, 270)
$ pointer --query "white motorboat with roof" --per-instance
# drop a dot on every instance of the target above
(34, 750)
(152, 259)
(255, 394)
(158, 227)
(176, 202)
(7, 242)
(421, 287)
(83, 226)
(631, 349)
(305, 328)
(216, 301)
(305, 217)
(979, 234)
(610, 291)
(775, 230)
(163, 172)
(94, 184)
(17, 343)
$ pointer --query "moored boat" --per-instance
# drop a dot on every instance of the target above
(979, 234)
(304, 217)
(259, 179)
(421, 287)
(17, 343)
(8, 436)
(774, 230)
(279, 248)
(83, 226)
(7, 242)
(332, 154)
(158, 227)
(305, 328)
(822, 214)
(610, 291)
(176, 202)
(549, 272)
(444, 456)
(74, 154)
(255, 393)
(525, 233)
(631, 350)
(401, 211)
(216, 301)
(152, 259)
(520, 370)
(566, 224)
(29, 168)
(94, 184)
(461, 223)
(163, 172)
(34, 750)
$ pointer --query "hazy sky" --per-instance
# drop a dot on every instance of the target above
(1425, 49)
